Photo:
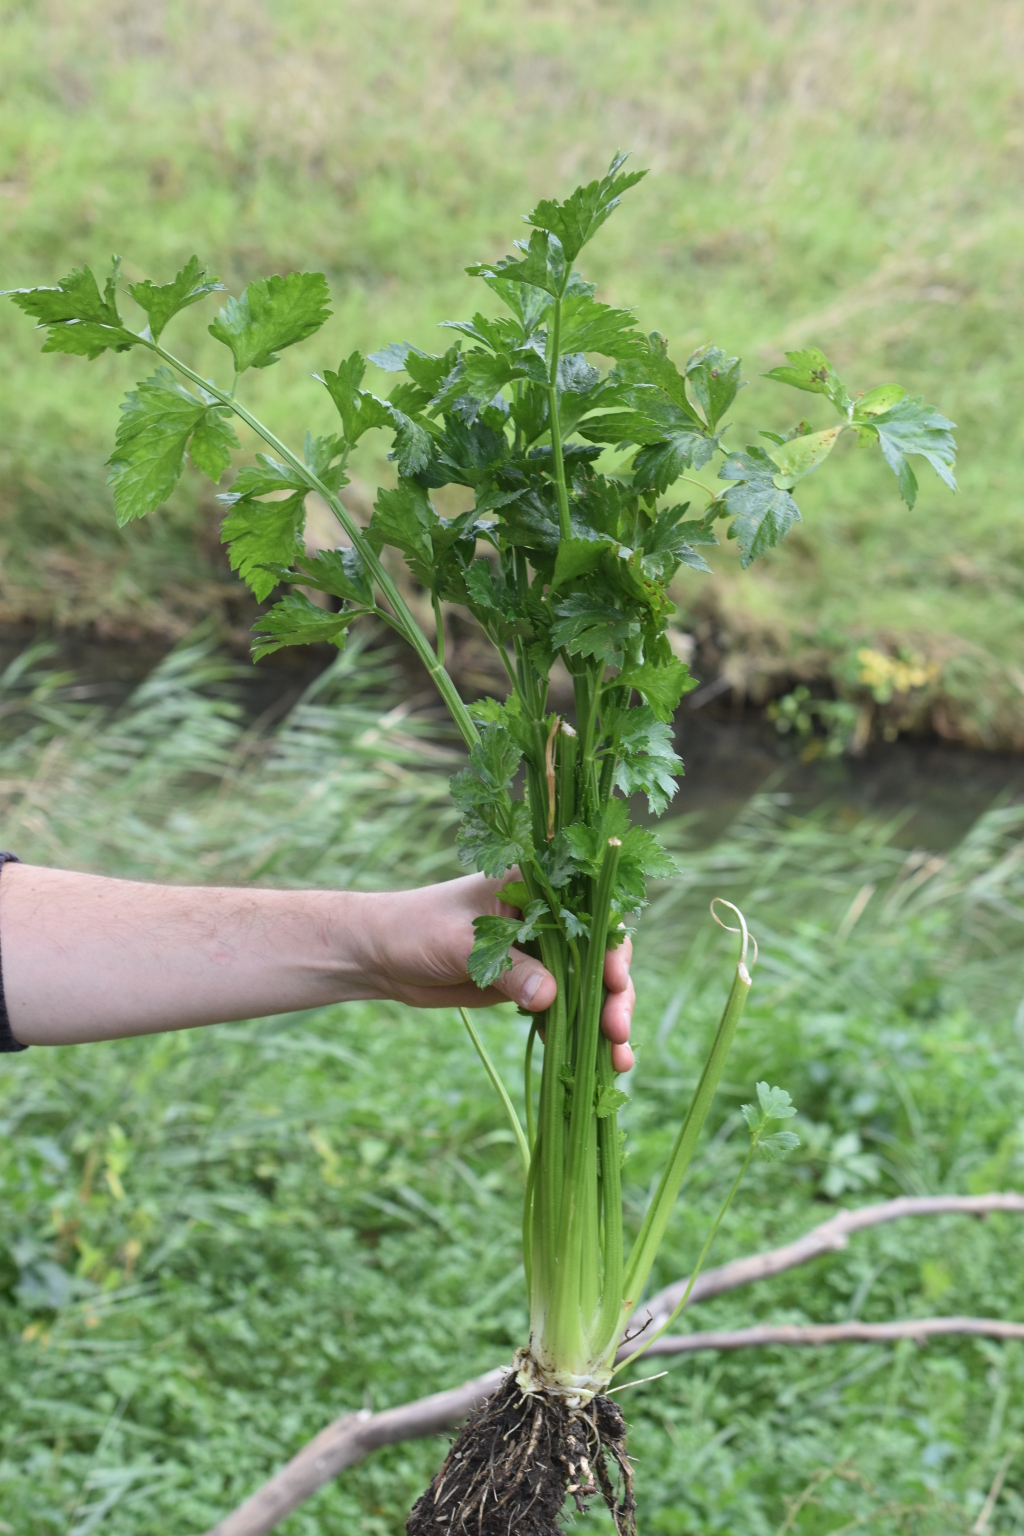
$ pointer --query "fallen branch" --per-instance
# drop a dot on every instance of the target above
(355, 1435)
(920, 1329)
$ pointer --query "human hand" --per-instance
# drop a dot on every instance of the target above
(420, 940)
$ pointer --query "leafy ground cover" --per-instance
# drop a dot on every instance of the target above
(213, 1242)
(846, 177)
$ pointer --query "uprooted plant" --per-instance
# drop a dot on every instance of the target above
(559, 561)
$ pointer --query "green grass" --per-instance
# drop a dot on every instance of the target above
(212, 1243)
(847, 175)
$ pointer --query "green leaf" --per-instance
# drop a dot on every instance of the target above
(273, 313)
(157, 419)
(588, 326)
(910, 426)
(359, 410)
(578, 556)
(778, 1145)
(647, 759)
(715, 380)
(577, 220)
(543, 264)
(762, 513)
(658, 466)
(775, 1103)
(404, 518)
(590, 626)
(262, 478)
(609, 1099)
(79, 320)
(811, 370)
(413, 445)
(801, 455)
(163, 301)
(297, 621)
(494, 938)
(661, 683)
(878, 400)
(492, 849)
(262, 534)
(338, 571)
(492, 767)
(213, 442)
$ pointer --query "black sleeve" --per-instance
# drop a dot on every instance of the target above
(7, 1040)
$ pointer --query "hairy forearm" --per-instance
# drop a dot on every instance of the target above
(87, 958)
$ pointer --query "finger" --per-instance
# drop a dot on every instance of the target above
(527, 983)
(622, 1058)
(617, 1014)
(616, 966)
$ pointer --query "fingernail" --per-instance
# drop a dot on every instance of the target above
(530, 986)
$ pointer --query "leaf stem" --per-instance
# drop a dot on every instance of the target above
(500, 1090)
(564, 525)
(409, 628)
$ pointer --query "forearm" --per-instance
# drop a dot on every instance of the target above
(87, 958)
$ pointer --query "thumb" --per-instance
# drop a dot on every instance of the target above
(527, 983)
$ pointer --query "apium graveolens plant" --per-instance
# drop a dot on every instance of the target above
(557, 559)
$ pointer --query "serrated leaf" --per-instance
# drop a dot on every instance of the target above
(588, 326)
(542, 264)
(262, 478)
(775, 1103)
(800, 456)
(489, 956)
(297, 621)
(659, 465)
(576, 221)
(262, 534)
(910, 426)
(592, 626)
(392, 357)
(413, 445)
(516, 894)
(715, 380)
(213, 442)
(647, 760)
(338, 571)
(157, 419)
(404, 518)
(609, 1100)
(576, 557)
(661, 683)
(811, 370)
(778, 1145)
(273, 313)
(575, 925)
(493, 849)
(165, 300)
(79, 319)
(877, 400)
(492, 766)
(762, 513)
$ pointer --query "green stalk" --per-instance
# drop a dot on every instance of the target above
(531, 1129)
(645, 1249)
(564, 525)
(564, 1340)
(696, 1268)
(608, 1322)
(407, 624)
(500, 1090)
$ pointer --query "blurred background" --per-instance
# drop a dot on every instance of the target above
(212, 1244)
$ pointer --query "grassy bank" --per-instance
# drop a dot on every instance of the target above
(847, 176)
(213, 1242)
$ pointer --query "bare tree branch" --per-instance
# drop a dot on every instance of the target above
(355, 1435)
(920, 1329)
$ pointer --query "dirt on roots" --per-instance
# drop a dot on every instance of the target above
(517, 1458)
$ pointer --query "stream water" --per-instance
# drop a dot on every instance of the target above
(938, 789)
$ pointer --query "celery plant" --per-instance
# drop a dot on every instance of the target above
(564, 558)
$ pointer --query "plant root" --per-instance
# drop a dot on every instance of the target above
(517, 1458)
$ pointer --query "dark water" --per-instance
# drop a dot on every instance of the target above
(940, 789)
